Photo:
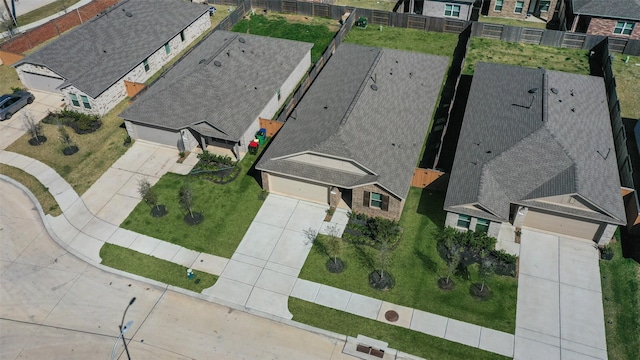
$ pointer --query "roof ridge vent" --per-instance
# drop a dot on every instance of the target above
(361, 88)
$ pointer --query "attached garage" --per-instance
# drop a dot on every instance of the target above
(298, 188)
(562, 224)
(42, 82)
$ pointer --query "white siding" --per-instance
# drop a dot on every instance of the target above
(436, 9)
(102, 104)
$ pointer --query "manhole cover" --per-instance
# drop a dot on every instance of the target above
(391, 316)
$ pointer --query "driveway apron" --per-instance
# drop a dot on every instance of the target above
(262, 272)
(559, 310)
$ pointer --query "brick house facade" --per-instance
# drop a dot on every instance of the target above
(519, 9)
(363, 202)
(606, 27)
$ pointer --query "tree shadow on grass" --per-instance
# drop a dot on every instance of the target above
(428, 263)
(363, 257)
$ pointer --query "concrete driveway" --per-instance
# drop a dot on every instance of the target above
(115, 194)
(12, 129)
(263, 270)
(55, 306)
(559, 311)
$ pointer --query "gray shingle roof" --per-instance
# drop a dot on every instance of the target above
(617, 9)
(341, 116)
(518, 145)
(220, 101)
(104, 49)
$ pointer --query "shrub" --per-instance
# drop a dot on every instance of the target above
(372, 231)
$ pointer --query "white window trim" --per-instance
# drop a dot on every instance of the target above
(453, 10)
(515, 7)
(495, 6)
(626, 25)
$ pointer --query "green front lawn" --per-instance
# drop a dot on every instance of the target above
(228, 211)
(151, 267)
(621, 300)
(416, 266)
(488, 50)
(434, 43)
(278, 26)
(98, 150)
(399, 338)
(8, 79)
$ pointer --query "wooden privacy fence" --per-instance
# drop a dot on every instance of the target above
(422, 178)
(272, 126)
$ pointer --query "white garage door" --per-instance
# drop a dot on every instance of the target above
(298, 188)
(561, 224)
(42, 82)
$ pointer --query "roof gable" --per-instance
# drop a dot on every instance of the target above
(98, 53)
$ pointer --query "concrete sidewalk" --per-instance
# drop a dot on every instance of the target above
(35, 24)
(262, 273)
(559, 311)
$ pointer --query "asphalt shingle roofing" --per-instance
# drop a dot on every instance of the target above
(221, 86)
(104, 49)
(342, 116)
(528, 134)
(617, 9)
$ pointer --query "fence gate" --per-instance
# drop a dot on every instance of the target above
(617, 45)
(380, 17)
(289, 7)
(492, 31)
(454, 26)
(573, 41)
(417, 22)
(321, 10)
(531, 36)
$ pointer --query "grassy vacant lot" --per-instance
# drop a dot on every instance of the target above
(311, 30)
(416, 267)
(153, 268)
(628, 84)
(8, 79)
(621, 300)
(228, 211)
(46, 200)
(405, 340)
(513, 22)
(385, 5)
(404, 39)
(44, 11)
(98, 150)
(552, 58)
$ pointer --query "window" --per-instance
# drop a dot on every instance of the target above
(498, 6)
(167, 48)
(482, 225)
(464, 221)
(145, 62)
(74, 99)
(452, 10)
(544, 5)
(182, 35)
(519, 7)
(375, 200)
(623, 27)
(85, 102)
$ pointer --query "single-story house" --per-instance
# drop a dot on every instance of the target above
(522, 9)
(215, 95)
(617, 18)
(536, 150)
(356, 136)
(456, 9)
(92, 65)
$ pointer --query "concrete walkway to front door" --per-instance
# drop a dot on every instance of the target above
(262, 272)
(559, 310)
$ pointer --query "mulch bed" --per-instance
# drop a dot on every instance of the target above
(446, 285)
(335, 267)
(158, 211)
(381, 283)
(485, 294)
(37, 141)
(70, 150)
(194, 218)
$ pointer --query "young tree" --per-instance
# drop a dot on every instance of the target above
(186, 198)
(485, 268)
(65, 138)
(334, 243)
(384, 256)
(33, 127)
(453, 257)
(147, 193)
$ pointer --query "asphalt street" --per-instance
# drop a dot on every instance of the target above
(54, 306)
